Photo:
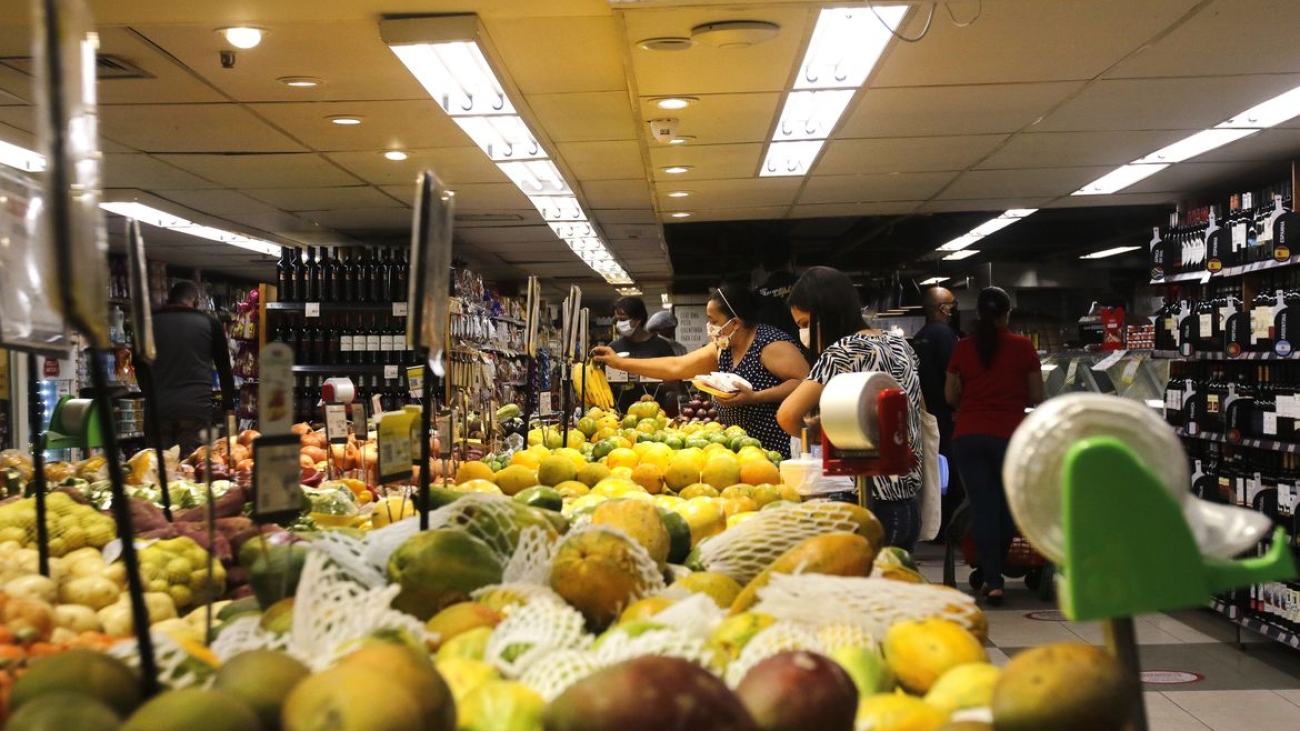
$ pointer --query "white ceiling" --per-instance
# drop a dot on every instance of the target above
(1018, 108)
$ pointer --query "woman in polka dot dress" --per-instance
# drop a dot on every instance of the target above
(763, 355)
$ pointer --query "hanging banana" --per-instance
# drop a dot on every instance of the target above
(591, 381)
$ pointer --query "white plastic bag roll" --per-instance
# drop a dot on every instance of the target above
(848, 408)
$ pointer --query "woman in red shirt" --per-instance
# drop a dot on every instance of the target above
(992, 378)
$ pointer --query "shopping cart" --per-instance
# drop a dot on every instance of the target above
(1022, 561)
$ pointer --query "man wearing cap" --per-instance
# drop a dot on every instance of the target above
(664, 324)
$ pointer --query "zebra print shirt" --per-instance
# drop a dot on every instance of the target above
(890, 354)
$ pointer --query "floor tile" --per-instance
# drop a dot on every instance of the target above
(1291, 695)
(1239, 710)
(1147, 634)
(1165, 715)
(1234, 670)
(997, 656)
(1016, 630)
(1176, 628)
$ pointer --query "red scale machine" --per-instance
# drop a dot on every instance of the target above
(864, 420)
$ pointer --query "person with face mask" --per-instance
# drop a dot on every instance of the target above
(825, 306)
(934, 344)
(763, 355)
(630, 318)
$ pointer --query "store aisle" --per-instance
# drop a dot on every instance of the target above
(1197, 677)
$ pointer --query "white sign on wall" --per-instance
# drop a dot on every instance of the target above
(691, 323)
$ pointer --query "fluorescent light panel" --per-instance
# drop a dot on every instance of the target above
(845, 46)
(21, 158)
(460, 79)
(1119, 179)
(1110, 252)
(993, 225)
(934, 280)
(963, 254)
(162, 219)
(1197, 144)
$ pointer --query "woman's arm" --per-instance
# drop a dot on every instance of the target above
(782, 360)
(952, 390)
(797, 406)
(675, 368)
(1034, 386)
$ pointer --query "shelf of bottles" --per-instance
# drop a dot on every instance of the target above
(1255, 232)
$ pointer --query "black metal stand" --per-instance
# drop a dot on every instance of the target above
(153, 432)
(565, 402)
(529, 394)
(38, 464)
(426, 426)
(125, 531)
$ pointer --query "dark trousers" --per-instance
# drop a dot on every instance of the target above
(979, 459)
(185, 432)
(901, 519)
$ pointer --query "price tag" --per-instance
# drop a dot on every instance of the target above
(275, 389)
(415, 381)
(395, 446)
(313, 309)
(336, 423)
(376, 405)
(1130, 370)
(1110, 360)
(1071, 371)
(277, 475)
(399, 309)
(544, 403)
(648, 379)
(444, 436)
(614, 375)
(359, 425)
(390, 372)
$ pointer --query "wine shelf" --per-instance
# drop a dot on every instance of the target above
(333, 307)
(1256, 625)
(1266, 444)
(344, 369)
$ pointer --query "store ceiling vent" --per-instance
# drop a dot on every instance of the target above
(488, 218)
(106, 67)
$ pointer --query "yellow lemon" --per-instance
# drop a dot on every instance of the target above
(919, 652)
(623, 457)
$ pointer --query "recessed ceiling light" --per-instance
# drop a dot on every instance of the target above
(345, 119)
(679, 194)
(735, 33)
(671, 43)
(681, 214)
(300, 82)
(396, 155)
(681, 139)
(242, 36)
(677, 169)
(675, 102)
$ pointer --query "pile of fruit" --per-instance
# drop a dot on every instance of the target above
(700, 409)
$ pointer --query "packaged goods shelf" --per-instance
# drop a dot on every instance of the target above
(1255, 624)
(1203, 277)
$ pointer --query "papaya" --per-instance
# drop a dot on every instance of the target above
(438, 568)
(834, 554)
(540, 496)
(641, 522)
(276, 571)
(598, 572)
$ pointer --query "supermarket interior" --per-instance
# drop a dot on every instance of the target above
(577, 365)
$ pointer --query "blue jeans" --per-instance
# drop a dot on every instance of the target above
(979, 459)
(900, 518)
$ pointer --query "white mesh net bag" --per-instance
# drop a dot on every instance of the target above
(869, 603)
(675, 572)
(779, 637)
(696, 615)
(561, 669)
(176, 668)
(533, 631)
(493, 519)
(744, 551)
(331, 613)
(531, 562)
(242, 634)
(507, 597)
(838, 636)
(617, 646)
(350, 554)
(647, 577)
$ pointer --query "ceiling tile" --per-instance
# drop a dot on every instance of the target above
(1200, 46)
(601, 115)
(1153, 104)
(491, 197)
(304, 170)
(951, 110)
(386, 125)
(905, 154)
(581, 54)
(606, 194)
(719, 118)
(1119, 199)
(704, 69)
(137, 170)
(996, 205)
(320, 199)
(1023, 40)
(743, 214)
(191, 128)
(872, 188)
(1269, 145)
(836, 210)
(1179, 180)
(710, 162)
(453, 165)
(709, 194)
(1035, 183)
(1067, 149)
(621, 216)
(508, 234)
(362, 219)
(617, 160)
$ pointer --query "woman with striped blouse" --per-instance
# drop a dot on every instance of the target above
(825, 305)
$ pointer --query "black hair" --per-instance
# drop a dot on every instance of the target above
(831, 301)
(993, 303)
(181, 291)
(738, 301)
(634, 308)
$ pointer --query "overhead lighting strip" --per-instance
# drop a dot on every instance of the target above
(1110, 252)
(445, 57)
(989, 227)
(845, 46)
(1275, 111)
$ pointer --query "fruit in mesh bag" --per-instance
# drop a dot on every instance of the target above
(439, 568)
(501, 705)
(600, 572)
(179, 568)
(648, 694)
(409, 668)
(731, 636)
(796, 690)
(460, 618)
(641, 522)
(1067, 686)
(71, 524)
(834, 554)
(722, 589)
(919, 652)
(965, 686)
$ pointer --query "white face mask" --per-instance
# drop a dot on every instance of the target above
(805, 337)
(625, 328)
(715, 334)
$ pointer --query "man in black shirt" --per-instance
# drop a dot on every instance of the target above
(933, 344)
(629, 320)
(190, 345)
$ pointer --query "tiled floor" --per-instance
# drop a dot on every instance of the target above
(1250, 687)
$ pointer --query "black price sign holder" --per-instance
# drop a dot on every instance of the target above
(277, 476)
(145, 352)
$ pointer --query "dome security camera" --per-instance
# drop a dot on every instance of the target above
(664, 130)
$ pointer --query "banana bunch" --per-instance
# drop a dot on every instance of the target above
(597, 388)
